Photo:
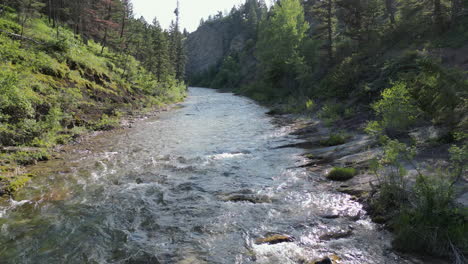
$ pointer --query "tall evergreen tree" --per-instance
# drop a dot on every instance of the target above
(325, 12)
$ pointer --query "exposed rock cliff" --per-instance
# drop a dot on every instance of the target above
(211, 43)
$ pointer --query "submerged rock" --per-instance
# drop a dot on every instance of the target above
(255, 199)
(328, 260)
(274, 239)
(336, 235)
(323, 261)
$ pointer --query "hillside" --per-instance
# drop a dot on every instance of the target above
(56, 86)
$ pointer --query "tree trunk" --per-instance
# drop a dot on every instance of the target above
(438, 19)
(329, 31)
(389, 5)
(104, 41)
(122, 29)
(456, 6)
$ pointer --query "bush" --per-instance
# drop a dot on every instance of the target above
(423, 215)
(431, 223)
(341, 174)
(9, 26)
(334, 140)
(14, 102)
(397, 108)
(106, 123)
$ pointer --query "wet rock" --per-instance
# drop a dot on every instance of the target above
(327, 260)
(139, 181)
(305, 131)
(330, 216)
(274, 239)
(355, 191)
(255, 199)
(143, 258)
(336, 235)
(323, 261)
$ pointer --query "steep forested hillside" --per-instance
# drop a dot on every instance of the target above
(394, 69)
(71, 66)
(400, 63)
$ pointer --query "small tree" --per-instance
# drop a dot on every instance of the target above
(280, 40)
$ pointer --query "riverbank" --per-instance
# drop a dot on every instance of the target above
(56, 85)
(15, 173)
(346, 149)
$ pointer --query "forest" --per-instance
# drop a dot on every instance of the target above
(68, 67)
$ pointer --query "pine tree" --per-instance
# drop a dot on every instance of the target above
(177, 50)
(325, 11)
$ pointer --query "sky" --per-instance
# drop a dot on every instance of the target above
(191, 11)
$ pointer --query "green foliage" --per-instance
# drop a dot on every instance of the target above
(331, 112)
(397, 108)
(106, 123)
(335, 139)
(341, 174)
(228, 75)
(423, 215)
(54, 88)
(342, 79)
(18, 183)
(310, 105)
(9, 26)
(15, 104)
(439, 92)
(431, 223)
(280, 40)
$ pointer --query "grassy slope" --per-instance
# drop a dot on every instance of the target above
(58, 88)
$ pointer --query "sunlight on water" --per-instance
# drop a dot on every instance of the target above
(199, 184)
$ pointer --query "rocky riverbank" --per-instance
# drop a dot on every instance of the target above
(347, 147)
(14, 176)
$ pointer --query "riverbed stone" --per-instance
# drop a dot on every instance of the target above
(274, 239)
(255, 199)
(333, 259)
(326, 260)
(336, 235)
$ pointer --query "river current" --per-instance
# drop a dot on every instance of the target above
(197, 184)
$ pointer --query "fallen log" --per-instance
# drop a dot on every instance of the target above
(17, 36)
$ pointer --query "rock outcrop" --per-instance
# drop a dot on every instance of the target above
(210, 44)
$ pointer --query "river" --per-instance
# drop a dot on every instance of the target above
(197, 184)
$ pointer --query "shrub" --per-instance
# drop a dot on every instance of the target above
(431, 223)
(18, 182)
(310, 104)
(397, 108)
(106, 123)
(9, 26)
(334, 140)
(423, 215)
(14, 102)
(341, 174)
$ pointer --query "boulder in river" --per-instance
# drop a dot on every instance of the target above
(251, 198)
(336, 235)
(327, 260)
(274, 239)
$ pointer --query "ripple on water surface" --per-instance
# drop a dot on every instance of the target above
(198, 184)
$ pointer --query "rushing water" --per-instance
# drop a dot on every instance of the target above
(159, 193)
